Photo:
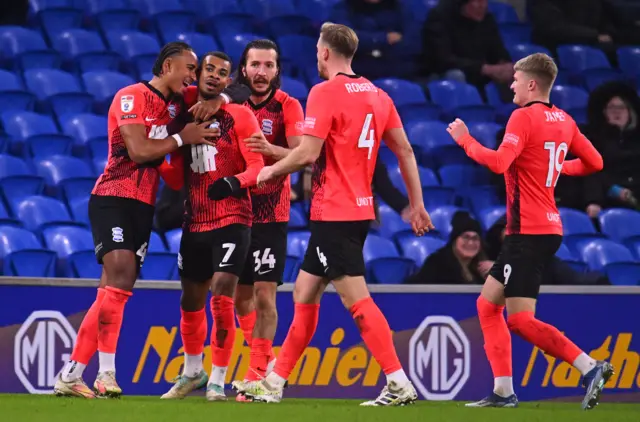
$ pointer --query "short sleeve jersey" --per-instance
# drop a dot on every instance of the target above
(351, 114)
(279, 117)
(204, 164)
(541, 135)
(139, 104)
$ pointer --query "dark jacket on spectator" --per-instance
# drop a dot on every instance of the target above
(451, 41)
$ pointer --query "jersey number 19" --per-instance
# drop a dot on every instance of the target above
(555, 165)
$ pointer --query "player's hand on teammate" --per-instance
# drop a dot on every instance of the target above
(457, 129)
(205, 110)
(420, 220)
(258, 143)
(224, 188)
(199, 133)
(265, 175)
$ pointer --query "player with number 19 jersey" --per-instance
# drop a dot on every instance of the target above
(351, 114)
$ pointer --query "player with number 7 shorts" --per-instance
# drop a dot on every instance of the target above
(216, 231)
(532, 156)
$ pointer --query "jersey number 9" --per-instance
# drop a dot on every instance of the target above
(555, 165)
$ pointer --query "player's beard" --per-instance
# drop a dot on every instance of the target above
(262, 93)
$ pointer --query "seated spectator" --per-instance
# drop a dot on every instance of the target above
(379, 25)
(559, 273)
(460, 261)
(461, 41)
(612, 126)
(591, 22)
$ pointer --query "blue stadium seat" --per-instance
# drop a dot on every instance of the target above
(462, 100)
(80, 210)
(70, 177)
(86, 50)
(569, 98)
(515, 32)
(623, 274)
(159, 266)
(595, 77)
(600, 253)
(113, 14)
(297, 219)
(173, 239)
(290, 24)
(219, 9)
(294, 88)
(458, 175)
(24, 49)
(84, 265)
(39, 133)
(629, 60)
(56, 16)
(23, 255)
(99, 164)
(59, 89)
(488, 216)
(234, 44)
(16, 179)
(578, 58)
(521, 50)
(402, 92)
(265, 9)
(167, 15)
(38, 212)
(485, 133)
(297, 243)
(13, 96)
(620, 224)
(201, 43)
(156, 244)
(316, 10)
(429, 135)
(441, 218)
(565, 254)
(86, 128)
(297, 50)
(634, 247)
(576, 222)
(419, 248)
(384, 264)
(139, 48)
(291, 269)
(103, 85)
(478, 198)
(433, 194)
(66, 241)
(391, 224)
(417, 112)
(503, 12)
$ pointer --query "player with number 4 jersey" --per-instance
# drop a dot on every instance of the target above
(216, 231)
(532, 155)
(347, 117)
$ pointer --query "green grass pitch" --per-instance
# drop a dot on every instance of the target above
(32, 408)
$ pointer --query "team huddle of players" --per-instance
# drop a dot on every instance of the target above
(232, 147)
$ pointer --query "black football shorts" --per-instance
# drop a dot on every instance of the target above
(522, 262)
(120, 223)
(267, 254)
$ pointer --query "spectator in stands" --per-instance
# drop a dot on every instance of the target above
(460, 261)
(379, 25)
(613, 127)
(461, 41)
(558, 273)
(591, 22)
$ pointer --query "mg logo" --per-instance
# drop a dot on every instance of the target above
(41, 347)
(439, 358)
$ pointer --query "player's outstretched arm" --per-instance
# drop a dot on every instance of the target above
(204, 110)
(589, 159)
(496, 161)
(397, 141)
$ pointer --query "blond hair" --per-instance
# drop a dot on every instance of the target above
(340, 38)
(541, 67)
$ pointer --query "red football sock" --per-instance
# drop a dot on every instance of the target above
(224, 333)
(193, 329)
(260, 358)
(110, 318)
(247, 322)
(87, 339)
(301, 331)
(376, 333)
(547, 337)
(497, 339)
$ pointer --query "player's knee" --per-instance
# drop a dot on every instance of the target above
(191, 302)
(120, 269)
(224, 284)
(265, 299)
(517, 321)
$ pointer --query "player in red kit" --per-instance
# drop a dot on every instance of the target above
(216, 231)
(122, 205)
(281, 118)
(532, 155)
(347, 116)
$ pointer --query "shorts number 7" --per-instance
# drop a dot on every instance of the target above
(554, 161)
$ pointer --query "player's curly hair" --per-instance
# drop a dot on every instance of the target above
(169, 50)
(262, 44)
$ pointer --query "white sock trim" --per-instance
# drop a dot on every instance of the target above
(503, 386)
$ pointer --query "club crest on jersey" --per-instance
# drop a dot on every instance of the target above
(172, 110)
(267, 127)
(126, 103)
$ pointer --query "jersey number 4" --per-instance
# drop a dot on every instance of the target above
(203, 158)
(555, 165)
(367, 135)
